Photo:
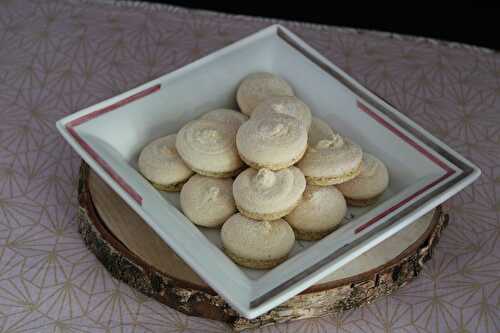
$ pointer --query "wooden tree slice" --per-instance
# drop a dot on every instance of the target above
(133, 253)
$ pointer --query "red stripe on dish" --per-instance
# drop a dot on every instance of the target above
(420, 149)
(403, 136)
(402, 202)
(125, 101)
(109, 170)
(105, 165)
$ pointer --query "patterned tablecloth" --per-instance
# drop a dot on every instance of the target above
(57, 57)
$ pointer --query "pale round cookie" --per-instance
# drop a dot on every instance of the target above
(227, 116)
(289, 105)
(320, 212)
(319, 130)
(162, 166)
(369, 185)
(274, 142)
(208, 201)
(208, 147)
(266, 194)
(331, 161)
(256, 87)
(257, 244)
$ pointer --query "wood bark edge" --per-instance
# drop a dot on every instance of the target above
(319, 300)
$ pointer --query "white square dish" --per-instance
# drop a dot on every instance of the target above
(424, 171)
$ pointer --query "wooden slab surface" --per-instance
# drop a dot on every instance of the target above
(111, 228)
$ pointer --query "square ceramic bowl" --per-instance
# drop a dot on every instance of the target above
(424, 171)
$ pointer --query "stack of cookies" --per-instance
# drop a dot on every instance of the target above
(268, 174)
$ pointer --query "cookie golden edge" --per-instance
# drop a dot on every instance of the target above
(174, 187)
(308, 235)
(363, 202)
(272, 167)
(266, 217)
(254, 263)
(327, 181)
(227, 174)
